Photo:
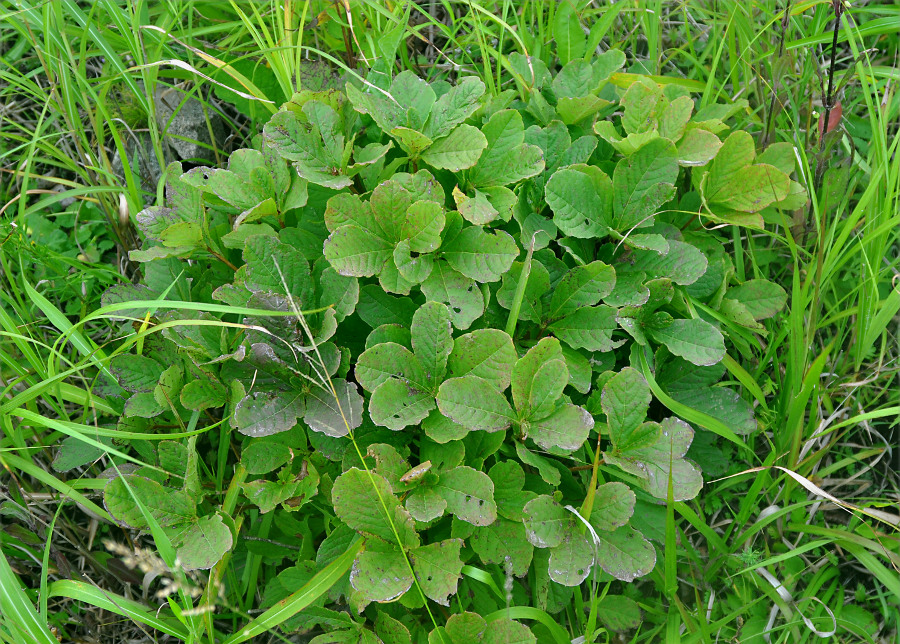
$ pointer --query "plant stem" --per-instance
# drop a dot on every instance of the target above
(770, 117)
(520, 292)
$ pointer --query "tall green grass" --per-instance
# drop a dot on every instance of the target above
(823, 376)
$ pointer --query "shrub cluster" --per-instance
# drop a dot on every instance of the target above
(434, 325)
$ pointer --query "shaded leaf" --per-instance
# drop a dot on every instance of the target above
(167, 506)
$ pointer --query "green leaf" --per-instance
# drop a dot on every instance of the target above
(692, 386)
(363, 235)
(475, 403)
(625, 554)
(390, 465)
(627, 145)
(143, 405)
(410, 269)
(334, 411)
(203, 393)
(581, 286)
(697, 147)
(544, 391)
(268, 260)
(414, 94)
(169, 386)
(571, 560)
(454, 107)
(581, 198)
(695, 340)
(365, 502)
(575, 110)
(526, 368)
(642, 183)
(262, 413)
(478, 209)
(486, 353)
(537, 287)
(246, 183)
(167, 506)
(74, 452)
(509, 479)
(479, 255)
(411, 141)
(425, 504)
(385, 110)
(432, 339)
(137, 374)
(684, 264)
(381, 575)
(549, 473)
(457, 151)
(469, 495)
(291, 493)
(613, 506)
(570, 38)
(590, 327)
(441, 429)
(653, 463)
(506, 631)
(504, 543)
(460, 293)
(580, 369)
(625, 400)
(353, 251)
(437, 567)
(761, 297)
(546, 522)
(656, 243)
(465, 628)
(389, 360)
(619, 613)
(735, 182)
(507, 158)
(567, 428)
(204, 542)
(643, 104)
(376, 307)
(338, 292)
(674, 118)
(315, 146)
(261, 457)
(173, 458)
(390, 630)
(423, 225)
(395, 404)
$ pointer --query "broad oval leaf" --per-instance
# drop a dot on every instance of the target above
(469, 495)
(486, 353)
(546, 522)
(695, 340)
(364, 501)
(475, 403)
(437, 567)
